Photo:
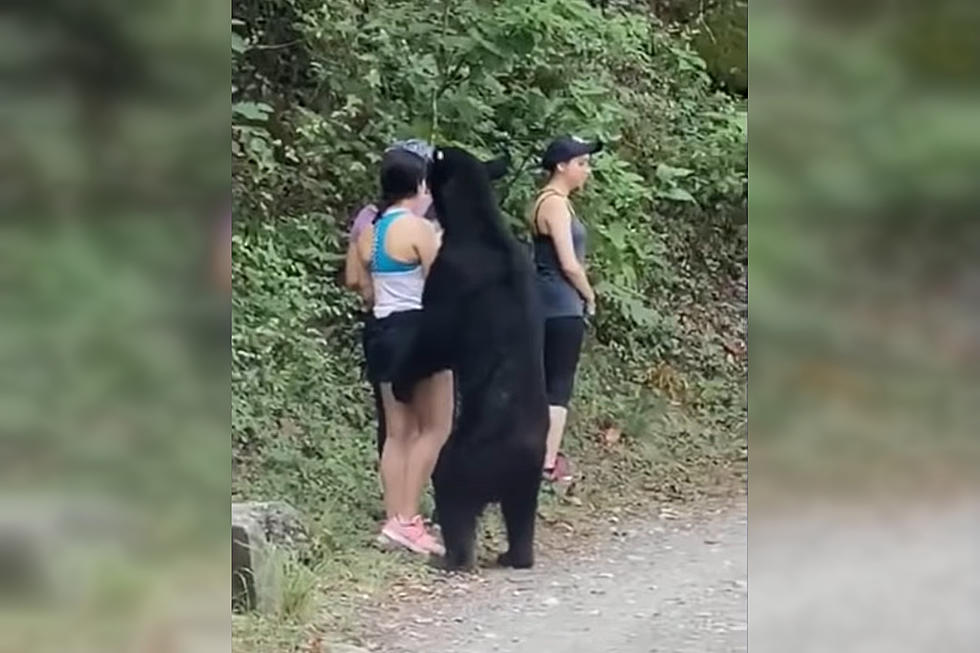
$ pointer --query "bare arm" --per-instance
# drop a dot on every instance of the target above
(353, 268)
(356, 274)
(554, 213)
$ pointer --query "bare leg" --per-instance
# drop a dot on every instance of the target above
(400, 427)
(556, 429)
(433, 406)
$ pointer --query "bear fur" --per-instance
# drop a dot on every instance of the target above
(481, 318)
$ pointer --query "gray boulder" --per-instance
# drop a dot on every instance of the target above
(260, 529)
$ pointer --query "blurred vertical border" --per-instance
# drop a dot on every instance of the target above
(865, 235)
(864, 312)
(114, 325)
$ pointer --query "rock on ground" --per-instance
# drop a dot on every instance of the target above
(258, 531)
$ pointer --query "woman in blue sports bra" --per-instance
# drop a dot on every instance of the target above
(396, 252)
(357, 278)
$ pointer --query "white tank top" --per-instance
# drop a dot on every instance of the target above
(398, 286)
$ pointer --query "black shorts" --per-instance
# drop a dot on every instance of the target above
(386, 341)
(562, 345)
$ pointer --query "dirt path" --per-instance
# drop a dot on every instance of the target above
(895, 577)
(664, 583)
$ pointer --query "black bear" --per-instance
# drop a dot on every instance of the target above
(482, 320)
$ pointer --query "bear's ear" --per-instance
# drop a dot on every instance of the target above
(497, 168)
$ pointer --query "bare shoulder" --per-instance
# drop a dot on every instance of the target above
(410, 231)
(552, 198)
(554, 208)
(421, 221)
(421, 226)
(544, 205)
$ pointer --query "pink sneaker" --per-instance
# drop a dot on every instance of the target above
(412, 535)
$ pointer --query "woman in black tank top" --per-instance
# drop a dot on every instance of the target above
(566, 294)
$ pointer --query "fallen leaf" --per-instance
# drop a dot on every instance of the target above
(611, 435)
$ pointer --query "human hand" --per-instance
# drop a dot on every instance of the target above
(590, 307)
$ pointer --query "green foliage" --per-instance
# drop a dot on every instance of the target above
(320, 88)
(111, 106)
(861, 210)
(723, 42)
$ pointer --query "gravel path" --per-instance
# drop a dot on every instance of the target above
(667, 583)
(891, 578)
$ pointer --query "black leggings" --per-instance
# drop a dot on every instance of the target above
(562, 346)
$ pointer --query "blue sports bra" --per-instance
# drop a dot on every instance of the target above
(381, 262)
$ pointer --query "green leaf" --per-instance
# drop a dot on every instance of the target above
(252, 110)
(668, 172)
(676, 193)
(238, 44)
(617, 235)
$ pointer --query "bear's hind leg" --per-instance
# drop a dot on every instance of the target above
(520, 507)
(457, 519)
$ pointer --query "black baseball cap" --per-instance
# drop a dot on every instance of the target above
(566, 148)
